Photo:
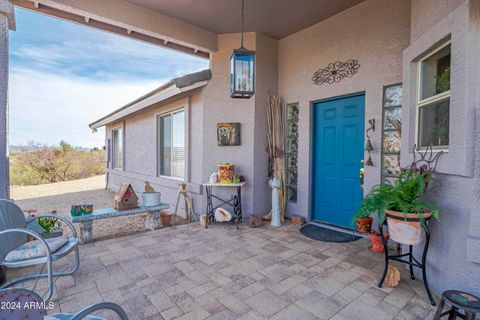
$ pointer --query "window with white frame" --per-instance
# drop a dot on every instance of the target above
(171, 137)
(117, 148)
(433, 98)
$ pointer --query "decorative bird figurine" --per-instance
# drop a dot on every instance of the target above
(148, 187)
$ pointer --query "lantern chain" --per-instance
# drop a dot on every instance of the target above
(243, 19)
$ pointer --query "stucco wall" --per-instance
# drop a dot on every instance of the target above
(427, 13)
(375, 33)
(454, 255)
(140, 155)
(249, 158)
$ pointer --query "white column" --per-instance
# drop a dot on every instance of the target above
(7, 21)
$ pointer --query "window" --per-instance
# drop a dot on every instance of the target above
(292, 151)
(117, 150)
(434, 98)
(171, 137)
(391, 132)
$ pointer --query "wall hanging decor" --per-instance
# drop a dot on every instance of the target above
(242, 69)
(336, 71)
(228, 134)
(369, 145)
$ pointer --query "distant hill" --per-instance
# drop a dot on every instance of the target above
(13, 148)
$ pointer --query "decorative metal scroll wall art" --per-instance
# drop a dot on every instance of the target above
(426, 162)
(336, 71)
(368, 145)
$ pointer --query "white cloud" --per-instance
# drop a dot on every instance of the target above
(63, 76)
(48, 107)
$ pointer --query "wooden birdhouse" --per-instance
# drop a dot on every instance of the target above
(126, 198)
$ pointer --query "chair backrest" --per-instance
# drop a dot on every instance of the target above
(11, 216)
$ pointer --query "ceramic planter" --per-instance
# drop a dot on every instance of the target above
(50, 235)
(406, 228)
(377, 242)
(165, 218)
(364, 225)
(151, 199)
(226, 171)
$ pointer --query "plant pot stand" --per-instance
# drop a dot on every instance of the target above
(412, 262)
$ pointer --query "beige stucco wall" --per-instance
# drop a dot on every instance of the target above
(454, 255)
(250, 158)
(375, 33)
(140, 154)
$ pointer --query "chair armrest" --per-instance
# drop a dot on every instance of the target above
(101, 306)
(33, 234)
(56, 216)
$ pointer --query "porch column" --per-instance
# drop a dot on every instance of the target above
(7, 21)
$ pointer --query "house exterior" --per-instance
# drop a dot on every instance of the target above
(391, 54)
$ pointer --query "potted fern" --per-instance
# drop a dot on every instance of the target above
(403, 206)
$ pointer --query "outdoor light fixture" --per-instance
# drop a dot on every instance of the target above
(242, 70)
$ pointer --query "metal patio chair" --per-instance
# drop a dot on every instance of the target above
(13, 237)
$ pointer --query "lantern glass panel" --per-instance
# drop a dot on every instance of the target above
(243, 73)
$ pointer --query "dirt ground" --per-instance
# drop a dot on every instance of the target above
(60, 196)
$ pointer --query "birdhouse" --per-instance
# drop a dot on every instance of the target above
(126, 198)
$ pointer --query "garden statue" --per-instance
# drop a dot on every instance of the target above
(275, 184)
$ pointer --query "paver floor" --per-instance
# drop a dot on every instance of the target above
(188, 272)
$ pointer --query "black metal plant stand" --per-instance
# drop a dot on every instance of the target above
(235, 202)
(412, 262)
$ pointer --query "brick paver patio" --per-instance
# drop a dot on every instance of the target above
(188, 272)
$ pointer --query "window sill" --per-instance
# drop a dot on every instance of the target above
(172, 178)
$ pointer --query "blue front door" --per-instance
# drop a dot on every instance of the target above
(338, 145)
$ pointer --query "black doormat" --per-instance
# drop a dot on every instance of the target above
(328, 235)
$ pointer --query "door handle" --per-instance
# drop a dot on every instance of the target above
(362, 177)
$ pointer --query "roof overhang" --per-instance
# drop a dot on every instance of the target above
(130, 20)
(165, 92)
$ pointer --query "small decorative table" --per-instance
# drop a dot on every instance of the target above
(459, 301)
(235, 202)
(86, 220)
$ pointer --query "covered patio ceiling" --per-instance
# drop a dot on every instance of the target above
(274, 18)
(190, 26)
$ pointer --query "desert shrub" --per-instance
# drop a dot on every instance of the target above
(54, 164)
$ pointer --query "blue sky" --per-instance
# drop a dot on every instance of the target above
(63, 76)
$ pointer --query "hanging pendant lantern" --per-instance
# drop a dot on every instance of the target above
(242, 70)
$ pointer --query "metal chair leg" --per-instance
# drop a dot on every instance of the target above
(441, 305)
(453, 314)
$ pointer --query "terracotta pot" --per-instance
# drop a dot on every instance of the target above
(364, 225)
(165, 218)
(406, 228)
(376, 242)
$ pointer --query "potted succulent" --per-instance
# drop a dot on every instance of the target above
(52, 226)
(403, 206)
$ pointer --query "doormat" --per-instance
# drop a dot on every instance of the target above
(328, 235)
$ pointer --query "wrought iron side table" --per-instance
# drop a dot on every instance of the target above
(412, 262)
(235, 202)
